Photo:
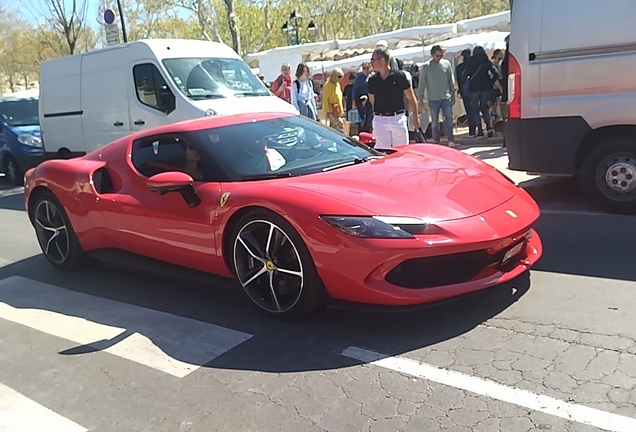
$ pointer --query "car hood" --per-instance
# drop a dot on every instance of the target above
(446, 186)
(33, 130)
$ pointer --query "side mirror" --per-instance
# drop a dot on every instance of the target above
(175, 181)
(367, 138)
(167, 101)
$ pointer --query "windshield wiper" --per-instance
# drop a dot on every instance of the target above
(207, 96)
(267, 176)
(251, 94)
(352, 162)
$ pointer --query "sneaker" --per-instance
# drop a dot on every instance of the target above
(453, 144)
(491, 133)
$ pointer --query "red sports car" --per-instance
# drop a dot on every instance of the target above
(295, 211)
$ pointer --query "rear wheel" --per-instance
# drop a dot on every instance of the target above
(13, 171)
(55, 233)
(274, 267)
(608, 175)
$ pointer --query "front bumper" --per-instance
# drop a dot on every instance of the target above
(361, 272)
(28, 161)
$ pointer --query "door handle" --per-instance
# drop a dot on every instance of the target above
(140, 122)
(118, 123)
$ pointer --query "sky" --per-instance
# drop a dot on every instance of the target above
(32, 10)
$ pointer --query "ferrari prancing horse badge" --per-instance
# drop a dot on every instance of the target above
(224, 198)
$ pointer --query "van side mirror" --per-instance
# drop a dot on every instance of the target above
(167, 101)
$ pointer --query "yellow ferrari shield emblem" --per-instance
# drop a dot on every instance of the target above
(511, 214)
(224, 198)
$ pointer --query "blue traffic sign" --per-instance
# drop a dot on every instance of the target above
(109, 16)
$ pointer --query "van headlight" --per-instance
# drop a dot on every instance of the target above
(29, 140)
(210, 113)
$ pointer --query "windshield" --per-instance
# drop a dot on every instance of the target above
(282, 147)
(20, 113)
(210, 78)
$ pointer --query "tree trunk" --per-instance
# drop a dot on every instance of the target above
(234, 26)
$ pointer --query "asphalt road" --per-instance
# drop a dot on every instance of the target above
(111, 349)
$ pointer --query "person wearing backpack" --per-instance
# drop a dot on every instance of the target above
(479, 77)
(302, 93)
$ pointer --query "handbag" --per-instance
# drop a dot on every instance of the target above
(353, 116)
(417, 136)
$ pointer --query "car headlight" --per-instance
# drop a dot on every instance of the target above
(30, 140)
(378, 226)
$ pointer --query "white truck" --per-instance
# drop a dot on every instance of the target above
(572, 95)
(90, 99)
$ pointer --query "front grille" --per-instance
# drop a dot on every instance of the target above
(446, 269)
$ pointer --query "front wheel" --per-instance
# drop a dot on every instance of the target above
(274, 267)
(55, 233)
(608, 175)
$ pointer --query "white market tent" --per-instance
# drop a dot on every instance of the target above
(329, 51)
(489, 40)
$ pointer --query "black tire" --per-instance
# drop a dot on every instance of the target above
(608, 175)
(13, 171)
(287, 250)
(64, 251)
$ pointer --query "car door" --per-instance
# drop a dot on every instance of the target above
(164, 227)
(153, 103)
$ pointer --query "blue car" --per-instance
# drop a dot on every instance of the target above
(20, 140)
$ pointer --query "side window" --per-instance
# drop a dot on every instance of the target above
(165, 153)
(152, 89)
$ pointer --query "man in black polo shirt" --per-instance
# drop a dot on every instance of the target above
(387, 90)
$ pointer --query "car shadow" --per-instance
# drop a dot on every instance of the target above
(595, 245)
(312, 343)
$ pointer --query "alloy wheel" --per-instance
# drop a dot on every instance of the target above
(52, 232)
(268, 266)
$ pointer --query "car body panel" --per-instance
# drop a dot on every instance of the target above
(469, 205)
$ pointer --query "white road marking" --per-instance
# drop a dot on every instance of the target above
(169, 343)
(19, 413)
(576, 413)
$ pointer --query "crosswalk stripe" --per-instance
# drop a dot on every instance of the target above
(169, 343)
(19, 413)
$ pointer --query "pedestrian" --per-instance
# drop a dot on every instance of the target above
(459, 72)
(302, 93)
(387, 89)
(479, 78)
(360, 90)
(332, 100)
(282, 86)
(347, 93)
(438, 83)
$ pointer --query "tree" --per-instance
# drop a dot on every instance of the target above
(69, 23)
(233, 23)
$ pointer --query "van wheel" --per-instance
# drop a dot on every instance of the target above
(13, 171)
(608, 175)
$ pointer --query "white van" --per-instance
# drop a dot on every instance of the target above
(90, 99)
(572, 95)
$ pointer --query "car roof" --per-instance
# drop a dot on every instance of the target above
(211, 122)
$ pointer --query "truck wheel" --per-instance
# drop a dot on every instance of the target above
(608, 175)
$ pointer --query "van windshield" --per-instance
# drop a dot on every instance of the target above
(20, 112)
(211, 78)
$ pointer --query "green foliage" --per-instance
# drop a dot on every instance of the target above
(247, 25)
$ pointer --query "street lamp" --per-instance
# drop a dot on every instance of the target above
(291, 27)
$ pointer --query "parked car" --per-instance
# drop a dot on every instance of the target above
(20, 141)
(298, 213)
(90, 99)
(572, 96)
